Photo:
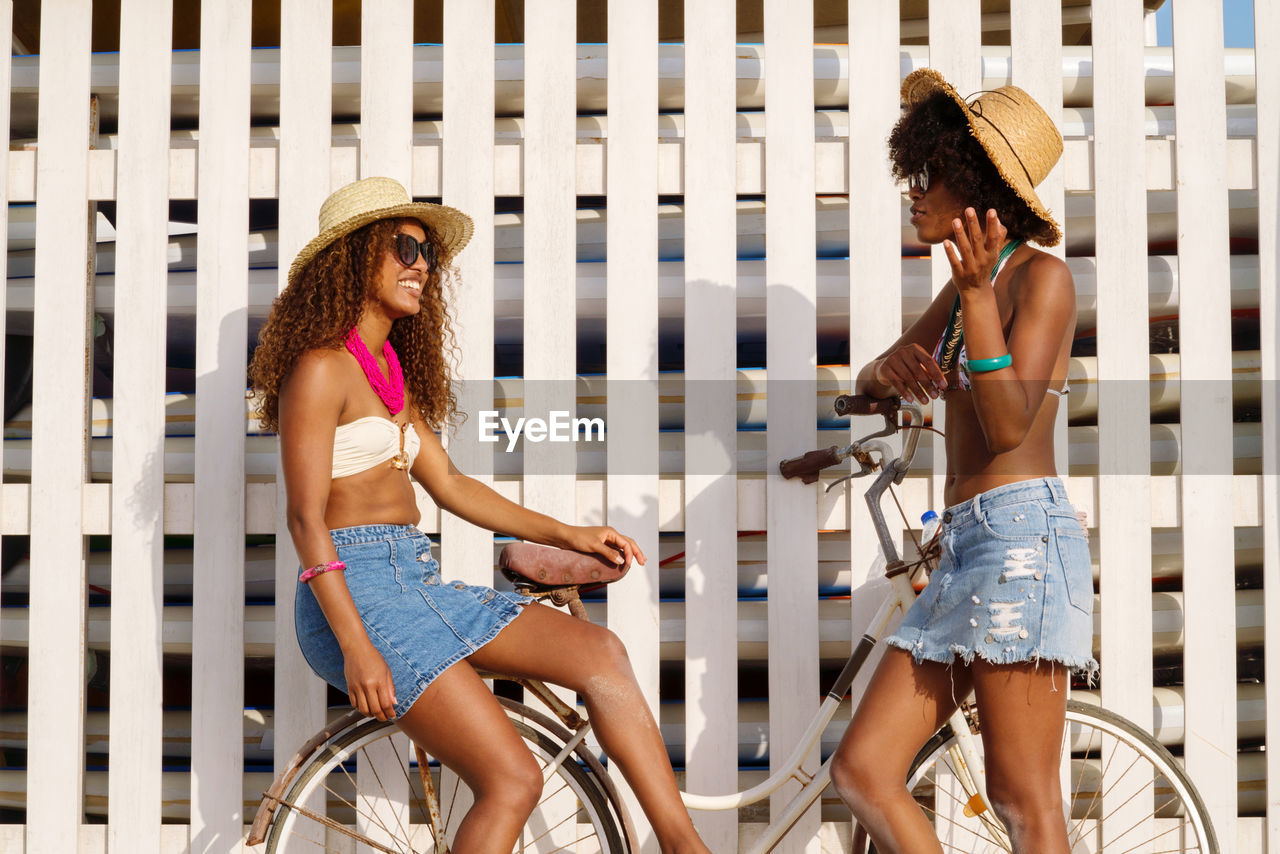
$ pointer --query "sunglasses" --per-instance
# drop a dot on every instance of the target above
(919, 181)
(408, 248)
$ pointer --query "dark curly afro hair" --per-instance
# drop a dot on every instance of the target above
(322, 304)
(936, 135)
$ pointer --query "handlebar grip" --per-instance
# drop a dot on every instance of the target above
(862, 404)
(807, 467)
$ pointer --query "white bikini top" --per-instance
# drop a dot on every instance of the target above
(366, 442)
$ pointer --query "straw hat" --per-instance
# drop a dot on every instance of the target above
(1016, 133)
(371, 199)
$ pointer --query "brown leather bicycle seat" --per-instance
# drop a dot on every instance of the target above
(547, 567)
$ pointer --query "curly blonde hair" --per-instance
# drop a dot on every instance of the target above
(319, 308)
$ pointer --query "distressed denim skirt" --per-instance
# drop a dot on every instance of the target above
(1015, 583)
(419, 623)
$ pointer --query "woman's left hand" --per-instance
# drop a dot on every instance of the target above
(974, 250)
(605, 541)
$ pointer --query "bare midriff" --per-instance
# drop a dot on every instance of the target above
(382, 495)
(973, 469)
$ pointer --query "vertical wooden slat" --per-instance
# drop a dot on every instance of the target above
(1267, 58)
(137, 499)
(1124, 448)
(222, 287)
(6, 77)
(550, 304)
(1205, 337)
(550, 173)
(632, 328)
(711, 498)
(386, 90)
(55, 707)
(791, 355)
(875, 259)
(955, 50)
(386, 148)
(467, 181)
(306, 28)
(1036, 59)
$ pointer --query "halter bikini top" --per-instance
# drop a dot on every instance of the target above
(364, 443)
(950, 352)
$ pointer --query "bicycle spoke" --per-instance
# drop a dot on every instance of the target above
(985, 823)
(574, 811)
(325, 821)
(373, 766)
(1076, 831)
(553, 828)
(1142, 845)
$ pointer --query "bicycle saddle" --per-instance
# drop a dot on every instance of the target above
(543, 568)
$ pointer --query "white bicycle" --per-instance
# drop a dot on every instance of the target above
(356, 780)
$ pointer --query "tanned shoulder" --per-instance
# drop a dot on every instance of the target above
(320, 375)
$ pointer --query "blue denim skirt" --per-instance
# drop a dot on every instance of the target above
(419, 623)
(1015, 583)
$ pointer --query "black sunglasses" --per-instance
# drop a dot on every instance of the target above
(408, 248)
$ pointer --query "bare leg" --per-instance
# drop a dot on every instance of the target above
(552, 646)
(1023, 711)
(904, 705)
(459, 721)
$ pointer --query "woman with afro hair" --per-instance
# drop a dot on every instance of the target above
(1008, 612)
(351, 371)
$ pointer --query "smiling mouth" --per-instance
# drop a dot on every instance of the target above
(412, 285)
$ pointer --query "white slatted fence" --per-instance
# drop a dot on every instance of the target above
(467, 184)
(791, 357)
(306, 28)
(711, 498)
(1205, 331)
(1267, 47)
(137, 512)
(55, 707)
(545, 158)
(550, 322)
(217, 668)
(631, 333)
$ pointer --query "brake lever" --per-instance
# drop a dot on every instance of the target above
(890, 429)
(866, 463)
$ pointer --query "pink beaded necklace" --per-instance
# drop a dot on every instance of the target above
(389, 389)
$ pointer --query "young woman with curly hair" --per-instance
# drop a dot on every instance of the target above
(1009, 610)
(352, 373)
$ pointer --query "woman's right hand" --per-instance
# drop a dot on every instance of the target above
(911, 373)
(369, 684)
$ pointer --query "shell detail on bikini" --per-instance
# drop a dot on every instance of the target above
(364, 443)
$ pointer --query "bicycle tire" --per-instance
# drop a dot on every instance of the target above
(1176, 821)
(595, 813)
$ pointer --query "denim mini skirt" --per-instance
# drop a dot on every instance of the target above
(1015, 583)
(419, 623)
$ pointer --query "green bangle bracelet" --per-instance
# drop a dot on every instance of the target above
(981, 366)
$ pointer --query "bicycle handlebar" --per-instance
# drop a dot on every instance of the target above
(861, 404)
(807, 467)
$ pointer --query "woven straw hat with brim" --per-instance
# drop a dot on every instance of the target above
(1016, 133)
(371, 199)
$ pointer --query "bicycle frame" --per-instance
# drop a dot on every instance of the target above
(901, 596)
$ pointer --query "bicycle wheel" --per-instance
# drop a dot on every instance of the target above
(1123, 792)
(387, 810)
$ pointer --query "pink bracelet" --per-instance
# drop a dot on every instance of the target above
(311, 572)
